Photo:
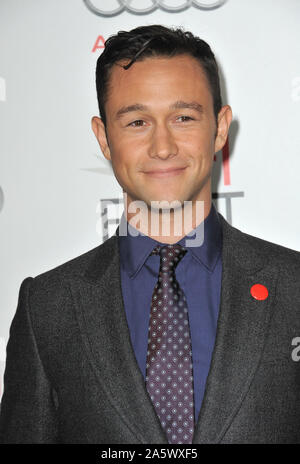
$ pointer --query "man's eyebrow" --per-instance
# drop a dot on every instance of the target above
(192, 105)
(130, 108)
(177, 105)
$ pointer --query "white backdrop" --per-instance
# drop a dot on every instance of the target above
(53, 178)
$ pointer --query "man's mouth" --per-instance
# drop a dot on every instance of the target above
(170, 172)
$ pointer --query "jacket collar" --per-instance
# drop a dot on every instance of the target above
(136, 247)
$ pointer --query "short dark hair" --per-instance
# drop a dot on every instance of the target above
(153, 41)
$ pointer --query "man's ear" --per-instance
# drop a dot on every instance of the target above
(99, 131)
(224, 121)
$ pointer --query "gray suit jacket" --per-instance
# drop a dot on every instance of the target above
(71, 374)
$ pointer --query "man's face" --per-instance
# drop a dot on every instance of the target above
(161, 129)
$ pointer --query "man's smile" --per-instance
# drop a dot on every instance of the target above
(164, 172)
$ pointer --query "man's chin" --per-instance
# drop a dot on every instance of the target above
(156, 202)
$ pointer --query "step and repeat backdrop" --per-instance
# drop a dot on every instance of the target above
(58, 195)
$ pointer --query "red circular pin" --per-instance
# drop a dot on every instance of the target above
(259, 292)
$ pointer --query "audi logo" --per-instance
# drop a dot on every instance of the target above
(165, 5)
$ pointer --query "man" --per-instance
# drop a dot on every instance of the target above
(159, 336)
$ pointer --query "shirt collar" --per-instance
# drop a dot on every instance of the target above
(136, 247)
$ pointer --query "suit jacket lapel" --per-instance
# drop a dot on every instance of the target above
(100, 313)
(242, 327)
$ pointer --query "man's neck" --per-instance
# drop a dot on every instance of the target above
(169, 226)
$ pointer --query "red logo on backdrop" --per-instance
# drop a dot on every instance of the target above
(225, 162)
(99, 44)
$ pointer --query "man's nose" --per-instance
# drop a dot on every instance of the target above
(163, 144)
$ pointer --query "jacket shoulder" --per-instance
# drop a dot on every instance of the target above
(255, 248)
(78, 265)
(50, 285)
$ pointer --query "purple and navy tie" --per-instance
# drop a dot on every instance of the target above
(169, 369)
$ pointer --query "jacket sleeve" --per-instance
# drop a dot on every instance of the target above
(28, 410)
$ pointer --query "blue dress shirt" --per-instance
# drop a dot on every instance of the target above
(199, 275)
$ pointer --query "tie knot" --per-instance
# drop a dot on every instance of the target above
(170, 255)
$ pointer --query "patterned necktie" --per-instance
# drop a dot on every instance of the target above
(169, 370)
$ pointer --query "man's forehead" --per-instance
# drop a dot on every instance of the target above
(157, 61)
(157, 81)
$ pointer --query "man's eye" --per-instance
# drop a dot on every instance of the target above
(137, 123)
(185, 118)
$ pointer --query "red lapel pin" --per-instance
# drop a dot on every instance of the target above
(259, 292)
